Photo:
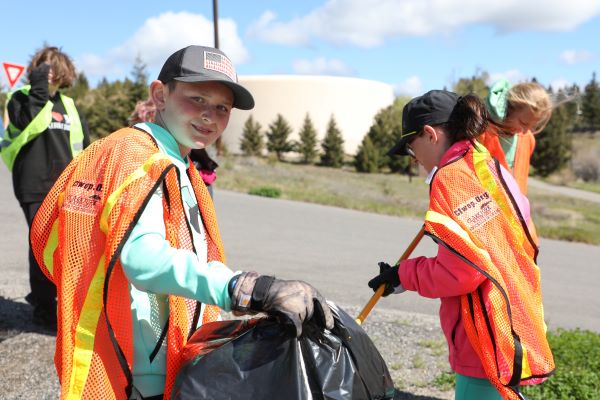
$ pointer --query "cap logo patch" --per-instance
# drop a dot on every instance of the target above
(219, 63)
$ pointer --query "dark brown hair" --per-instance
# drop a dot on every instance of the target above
(469, 119)
(63, 70)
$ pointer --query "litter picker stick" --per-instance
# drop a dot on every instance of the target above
(379, 292)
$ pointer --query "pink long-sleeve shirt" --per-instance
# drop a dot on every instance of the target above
(447, 276)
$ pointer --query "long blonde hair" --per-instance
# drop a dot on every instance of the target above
(536, 98)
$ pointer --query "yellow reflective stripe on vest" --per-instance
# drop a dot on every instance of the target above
(15, 140)
(51, 246)
(76, 130)
(85, 333)
(480, 162)
(114, 196)
(437, 218)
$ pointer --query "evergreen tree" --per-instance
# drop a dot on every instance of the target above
(553, 145)
(473, 85)
(367, 156)
(278, 137)
(139, 83)
(80, 87)
(307, 145)
(383, 135)
(107, 107)
(252, 143)
(590, 104)
(333, 146)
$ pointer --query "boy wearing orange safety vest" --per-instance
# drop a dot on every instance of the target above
(129, 236)
(485, 271)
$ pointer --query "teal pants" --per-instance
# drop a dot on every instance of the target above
(468, 388)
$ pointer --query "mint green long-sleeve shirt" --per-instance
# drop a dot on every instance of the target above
(155, 270)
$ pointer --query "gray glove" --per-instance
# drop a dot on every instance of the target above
(296, 301)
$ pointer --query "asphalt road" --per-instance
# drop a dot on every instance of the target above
(336, 250)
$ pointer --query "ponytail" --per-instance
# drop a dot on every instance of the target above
(469, 119)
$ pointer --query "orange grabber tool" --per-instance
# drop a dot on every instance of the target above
(379, 292)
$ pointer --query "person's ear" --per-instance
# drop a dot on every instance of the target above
(158, 93)
(431, 134)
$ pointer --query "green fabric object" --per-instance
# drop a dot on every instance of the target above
(14, 139)
(496, 100)
(468, 388)
(509, 147)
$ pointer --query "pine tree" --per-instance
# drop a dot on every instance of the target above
(277, 137)
(590, 104)
(383, 135)
(307, 145)
(333, 146)
(473, 85)
(252, 142)
(553, 145)
(80, 88)
(367, 157)
(139, 86)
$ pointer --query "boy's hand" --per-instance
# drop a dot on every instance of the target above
(296, 301)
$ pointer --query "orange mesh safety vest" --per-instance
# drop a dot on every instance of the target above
(525, 147)
(472, 213)
(77, 236)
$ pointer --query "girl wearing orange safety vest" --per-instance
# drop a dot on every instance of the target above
(485, 271)
(524, 111)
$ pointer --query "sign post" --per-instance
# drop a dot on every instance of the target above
(13, 72)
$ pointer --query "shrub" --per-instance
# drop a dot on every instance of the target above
(265, 191)
(577, 376)
(587, 168)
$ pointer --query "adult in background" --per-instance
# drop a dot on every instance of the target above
(45, 132)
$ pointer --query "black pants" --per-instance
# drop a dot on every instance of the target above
(43, 291)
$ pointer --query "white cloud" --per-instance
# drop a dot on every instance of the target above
(412, 86)
(94, 65)
(368, 23)
(575, 56)
(560, 84)
(159, 37)
(321, 66)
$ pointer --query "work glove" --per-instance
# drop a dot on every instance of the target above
(293, 301)
(40, 74)
(389, 277)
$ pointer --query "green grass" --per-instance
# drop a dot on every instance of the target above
(555, 216)
(577, 374)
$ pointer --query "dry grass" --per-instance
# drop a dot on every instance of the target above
(555, 216)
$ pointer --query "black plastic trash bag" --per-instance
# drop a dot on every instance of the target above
(260, 359)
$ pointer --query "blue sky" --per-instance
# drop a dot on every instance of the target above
(414, 45)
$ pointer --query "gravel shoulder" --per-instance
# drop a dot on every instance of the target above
(411, 344)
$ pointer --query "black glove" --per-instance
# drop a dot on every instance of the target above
(296, 301)
(39, 74)
(388, 276)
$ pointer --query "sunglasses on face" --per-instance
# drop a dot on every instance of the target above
(409, 148)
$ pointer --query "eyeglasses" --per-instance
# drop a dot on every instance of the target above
(409, 148)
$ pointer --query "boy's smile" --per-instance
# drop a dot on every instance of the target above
(196, 114)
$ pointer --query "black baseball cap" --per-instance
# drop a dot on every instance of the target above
(432, 108)
(205, 64)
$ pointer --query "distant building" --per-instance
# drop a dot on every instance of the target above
(352, 101)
